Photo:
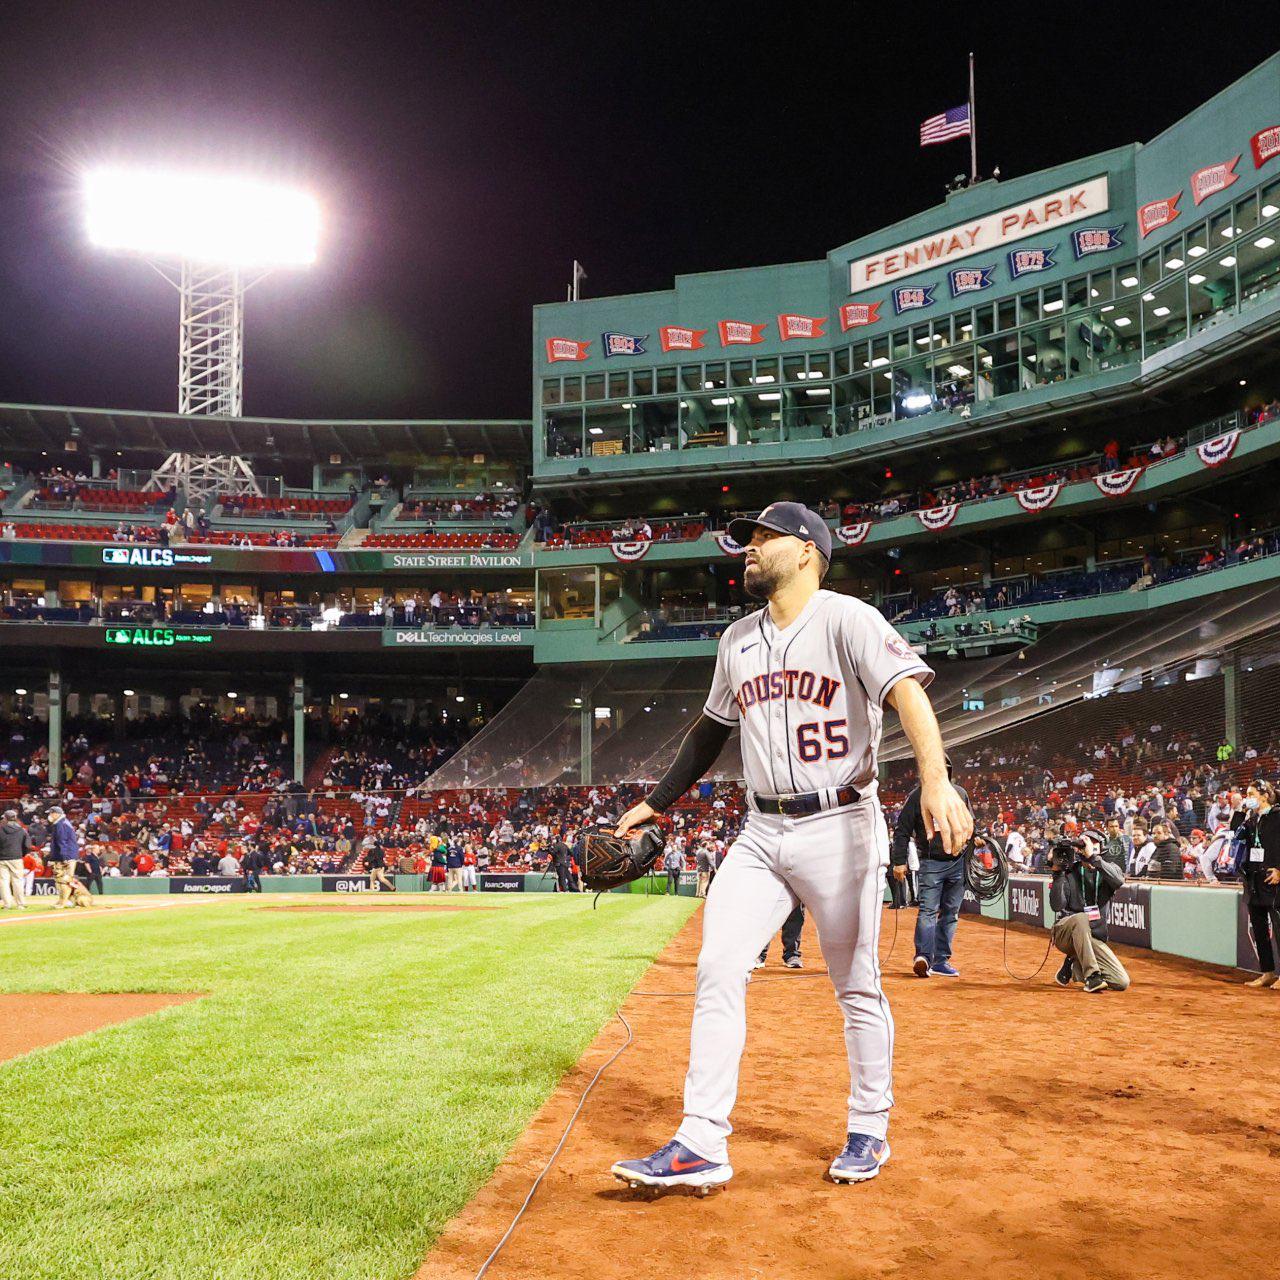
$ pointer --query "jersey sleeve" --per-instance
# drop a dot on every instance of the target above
(721, 705)
(881, 657)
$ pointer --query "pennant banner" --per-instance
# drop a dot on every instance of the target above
(676, 337)
(912, 297)
(854, 535)
(938, 517)
(969, 279)
(1265, 145)
(630, 552)
(1212, 179)
(793, 326)
(855, 314)
(739, 333)
(727, 544)
(566, 349)
(1115, 484)
(624, 344)
(1095, 240)
(1159, 213)
(1041, 498)
(1213, 453)
(1022, 261)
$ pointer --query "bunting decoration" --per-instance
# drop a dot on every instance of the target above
(938, 518)
(676, 337)
(1213, 453)
(1158, 213)
(794, 326)
(630, 552)
(854, 315)
(1040, 498)
(727, 544)
(1265, 145)
(740, 333)
(624, 344)
(854, 535)
(1115, 484)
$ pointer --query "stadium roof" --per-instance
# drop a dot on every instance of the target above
(28, 428)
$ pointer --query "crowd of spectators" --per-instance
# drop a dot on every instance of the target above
(484, 506)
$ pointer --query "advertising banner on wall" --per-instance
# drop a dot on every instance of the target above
(1026, 900)
(206, 884)
(1129, 916)
(344, 884)
(500, 882)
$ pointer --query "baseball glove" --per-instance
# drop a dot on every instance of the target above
(610, 861)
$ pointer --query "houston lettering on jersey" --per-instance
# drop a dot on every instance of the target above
(805, 686)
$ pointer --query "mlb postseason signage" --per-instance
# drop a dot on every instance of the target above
(993, 231)
(969, 280)
(1129, 915)
(155, 637)
(455, 638)
(1026, 900)
(206, 884)
(152, 557)
(623, 344)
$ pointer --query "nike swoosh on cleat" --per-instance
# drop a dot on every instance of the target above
(683, 1166)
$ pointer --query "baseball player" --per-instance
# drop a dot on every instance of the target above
(804, 680)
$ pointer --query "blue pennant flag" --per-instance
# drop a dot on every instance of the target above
(1096, 240)
(1022, 261)
(911, 297)
(969, 279)
(624, 344)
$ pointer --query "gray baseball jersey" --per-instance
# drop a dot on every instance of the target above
(808, 699)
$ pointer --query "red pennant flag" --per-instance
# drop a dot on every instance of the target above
(1265, 145)
(855, 314)
(566, 349)
(739, 333)
(794, 326)
(1159, 213)
(1212, 179)
(675, 337)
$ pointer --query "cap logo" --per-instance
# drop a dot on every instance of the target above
(804, 528)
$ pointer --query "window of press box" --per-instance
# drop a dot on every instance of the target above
(1246, 214)
(713, 376)
(794, 370)
(766, 370)
(691, 377)
(1258, 263)
(572, 390)
(240, 593)
(566, 594)
(595, 387)
(642, 382)
(551, 391)
(666, 382)
(843, 361)
(618, 386)
(819, 364)
(194, 595)
(1101, 287)
(610, 587)
(24, 589)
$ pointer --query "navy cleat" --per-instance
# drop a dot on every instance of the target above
(861, 1158)
(944, 969)
(673, 1166)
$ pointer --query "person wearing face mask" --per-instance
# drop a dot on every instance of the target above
(1259, 823)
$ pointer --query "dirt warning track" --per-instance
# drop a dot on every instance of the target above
(1037, 1132)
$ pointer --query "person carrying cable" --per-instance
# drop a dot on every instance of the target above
(940, 886)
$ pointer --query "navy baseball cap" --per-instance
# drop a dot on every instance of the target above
(786, 517)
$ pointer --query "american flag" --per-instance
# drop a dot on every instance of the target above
(951, 124)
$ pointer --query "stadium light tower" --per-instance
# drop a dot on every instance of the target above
(212, 237)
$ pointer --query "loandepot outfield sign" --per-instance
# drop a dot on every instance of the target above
(156, 637)
(989, 233)
(453, 638)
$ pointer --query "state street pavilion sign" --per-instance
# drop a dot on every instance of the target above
(986, 234)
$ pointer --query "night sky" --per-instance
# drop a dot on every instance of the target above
(465, 154)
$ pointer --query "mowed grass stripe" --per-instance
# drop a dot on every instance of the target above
(342, 1091)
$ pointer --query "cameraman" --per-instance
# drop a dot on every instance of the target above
(1083, 883)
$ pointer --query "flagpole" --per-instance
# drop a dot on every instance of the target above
(973, 128)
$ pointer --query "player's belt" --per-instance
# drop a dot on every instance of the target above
(809, 802)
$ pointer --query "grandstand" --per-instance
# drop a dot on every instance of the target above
(1059, 465)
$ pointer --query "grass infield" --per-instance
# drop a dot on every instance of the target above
(344, 1088)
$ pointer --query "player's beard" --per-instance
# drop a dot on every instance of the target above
(761, 581)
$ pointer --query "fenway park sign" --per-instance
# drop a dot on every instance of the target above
(993, 231)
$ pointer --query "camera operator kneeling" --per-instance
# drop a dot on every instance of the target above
(1083, 883)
